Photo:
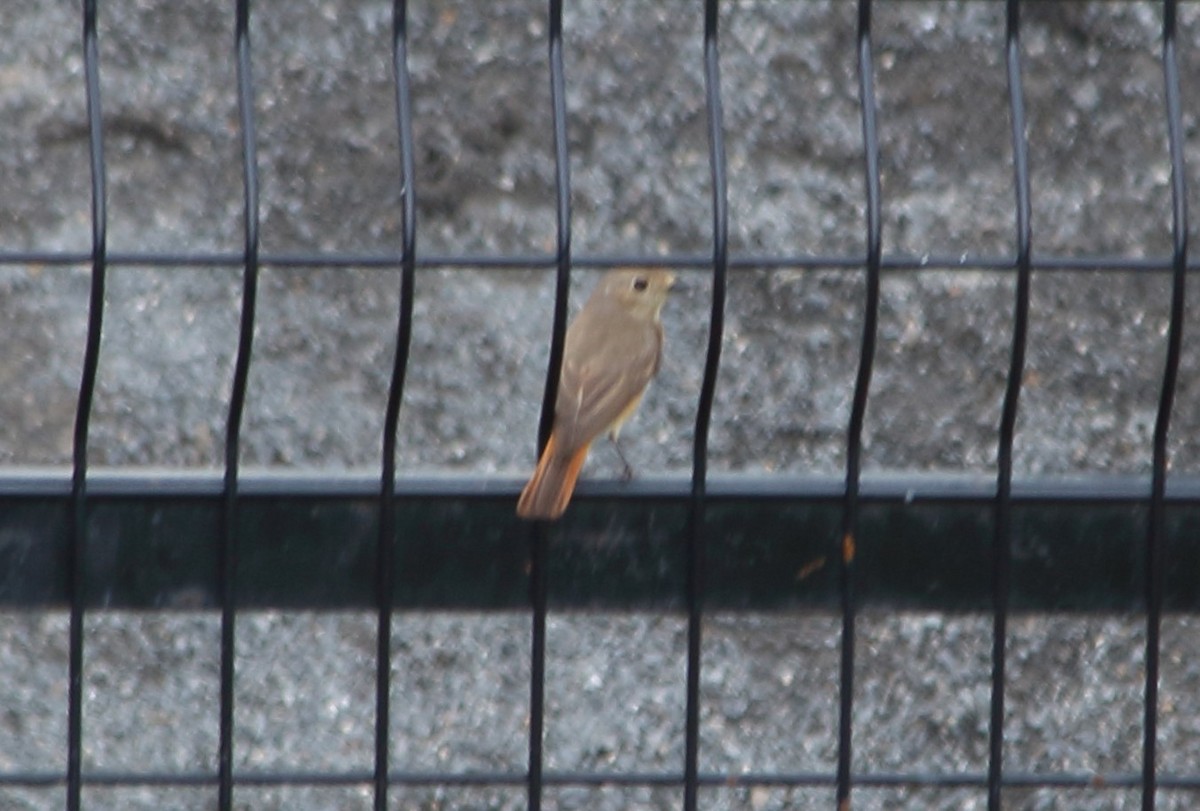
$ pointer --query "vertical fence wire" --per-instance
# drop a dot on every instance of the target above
(77, 549)
(1155, 541)
(862, 384)
(1002, 528)
(537, 532)
(716, 332)
(562, 194)
(385, 550)
(237, 402)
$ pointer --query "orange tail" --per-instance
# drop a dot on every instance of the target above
(549, 490)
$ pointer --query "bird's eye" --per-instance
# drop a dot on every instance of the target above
(640, 283)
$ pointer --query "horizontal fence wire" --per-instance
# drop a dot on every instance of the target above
(858, 540)
(848, 262)
(1114, 781)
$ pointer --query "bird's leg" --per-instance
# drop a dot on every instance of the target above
(627, 473)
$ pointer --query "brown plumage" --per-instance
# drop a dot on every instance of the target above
(613, 349)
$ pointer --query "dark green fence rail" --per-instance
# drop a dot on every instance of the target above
(309, 542)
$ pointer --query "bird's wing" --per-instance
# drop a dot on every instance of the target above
(596, 390)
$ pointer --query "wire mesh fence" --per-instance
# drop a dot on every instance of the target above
(955, 391)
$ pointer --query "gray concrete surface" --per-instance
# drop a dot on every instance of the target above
(328, 163)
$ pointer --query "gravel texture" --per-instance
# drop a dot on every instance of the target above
(485, 183)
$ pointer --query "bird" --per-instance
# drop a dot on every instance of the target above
(613, 350)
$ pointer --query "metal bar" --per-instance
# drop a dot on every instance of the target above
(1156, 553)
(846, 553)
(385, 552)
(915, 780)
(538, 600)
(76, 570)
(925, 543)
(228, 559)
(696, 522)
(538, 594)
(914, 489)
(562, 259)
(1003, 538)
(892, 263)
